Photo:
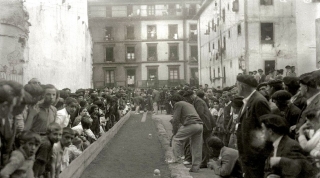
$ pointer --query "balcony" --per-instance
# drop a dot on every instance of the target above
(160, 83)
(108, 38)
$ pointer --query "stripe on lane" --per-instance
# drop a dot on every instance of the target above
(144, 117)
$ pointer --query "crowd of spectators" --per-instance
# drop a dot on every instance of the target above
(259, 128)
(44, 129)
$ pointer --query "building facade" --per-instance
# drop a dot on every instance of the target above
(48, 40)
(144, 43)
(237, 36)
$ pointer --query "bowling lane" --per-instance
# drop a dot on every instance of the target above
(133, 152)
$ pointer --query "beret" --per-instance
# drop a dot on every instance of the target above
(316, 76)
(281, 95)
(248, 80)
(181, 92)
(73, 95)
(188, 93)
(288, 67)
(260, 70)
(307, 79)
(275, 121)
(200, 93)
(291, 82)
(237, 102)
(274, 82)
(80, 90)
(262, 85)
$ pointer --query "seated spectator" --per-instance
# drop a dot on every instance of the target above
(227, 164)
(308, 141)
(44, 153)
(63, 115)
(287, 159)
(22, 159)
(287, 109)
(94, 114)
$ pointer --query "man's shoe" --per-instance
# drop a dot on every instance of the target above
(186, 163)
(194, 170)
(203, 166)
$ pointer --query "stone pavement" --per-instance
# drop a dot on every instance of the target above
(164, 120)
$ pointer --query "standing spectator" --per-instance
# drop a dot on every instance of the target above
(138, 100)
(288, 70)
(252, 153)
(44, 153)
(155, 99)
(292, 73)
(34, 81)
(22, 159)
(60, 154)
(186, 115)
(227, 117)
(262, 76)
(47, 113)
(63, 115)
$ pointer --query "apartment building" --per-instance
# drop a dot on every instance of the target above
(237, 36)
(140, 43)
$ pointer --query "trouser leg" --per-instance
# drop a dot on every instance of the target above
(187, 151)
(205, 148)
(196, 147)
(155, 107)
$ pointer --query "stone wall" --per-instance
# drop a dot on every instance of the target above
(59, 47)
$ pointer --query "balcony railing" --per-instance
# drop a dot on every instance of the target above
(193, 60)
(193, 37)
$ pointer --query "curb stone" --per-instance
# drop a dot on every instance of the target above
(178, 170)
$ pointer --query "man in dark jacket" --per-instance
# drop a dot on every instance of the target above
(287, 109)
(287, 159)
(208, 121)
(252, 151)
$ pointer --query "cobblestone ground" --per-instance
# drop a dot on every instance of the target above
(131, 153)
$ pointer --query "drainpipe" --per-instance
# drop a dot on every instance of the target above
(199, 53)
(246, 31)
(221, 42)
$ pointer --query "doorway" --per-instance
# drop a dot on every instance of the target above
(131, 77)
(269, 65)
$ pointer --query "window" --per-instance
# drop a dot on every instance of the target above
(152, 73)
(109, 11)
(212, 28)
(224, 43)
(152, 32)
(214, 73)
(208, 30)
(219, 45)
(229, 34)
(173, 74)
(266, 2)
(130, 32)
(213, 45)
(239, 29)
(210, 73)
(173, 52)
(192, 10)
(109, 54)
(173, 31)
(131, 73)
(109, 77)
(108, 34)
(209, 47)
(130, 53)
(223, 15)
(152, 52)
(151, 9)
(194, 53)
(172, 9)
(193, 32)
(228, 7)
(266, 32)
(129, 10)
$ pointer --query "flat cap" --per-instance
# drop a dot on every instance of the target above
(291, 82)
(288, 67)
(281, 95)
(200, 93)
(188, 93)
(274, 82)
(308, 80)
(247, 79)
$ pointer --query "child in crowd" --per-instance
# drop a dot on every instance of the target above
(44, 153)
(22, 159)
(60, 153)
